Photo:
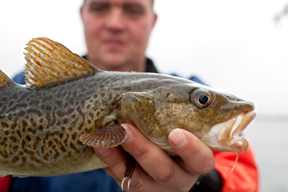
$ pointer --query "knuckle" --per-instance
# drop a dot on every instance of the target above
(209, 166)
(205, 159)
(164, 174)
(115, 162)
(137, 184)
(195, 152)
(140, 152)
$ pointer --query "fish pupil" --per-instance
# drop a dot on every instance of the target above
(203, 99)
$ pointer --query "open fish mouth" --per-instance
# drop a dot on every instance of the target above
(226, 136)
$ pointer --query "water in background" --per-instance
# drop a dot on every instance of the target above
(269, 141)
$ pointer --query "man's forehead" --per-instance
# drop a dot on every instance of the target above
(121, 1)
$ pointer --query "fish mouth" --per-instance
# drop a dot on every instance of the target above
(226, 136)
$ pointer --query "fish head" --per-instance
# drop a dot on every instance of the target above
(216, 118)
(219, 118)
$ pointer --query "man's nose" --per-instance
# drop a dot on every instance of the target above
(115, 21)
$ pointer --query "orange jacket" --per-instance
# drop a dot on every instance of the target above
(245, 175)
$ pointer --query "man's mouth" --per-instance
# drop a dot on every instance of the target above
(114, 43)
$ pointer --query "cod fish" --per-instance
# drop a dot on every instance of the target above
(49, 126)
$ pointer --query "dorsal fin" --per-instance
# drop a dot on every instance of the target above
(50, 63)
(4, 80)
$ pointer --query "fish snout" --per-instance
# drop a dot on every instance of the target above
(226, 136)
(234, 102)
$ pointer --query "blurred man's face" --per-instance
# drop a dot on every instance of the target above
(117, 32)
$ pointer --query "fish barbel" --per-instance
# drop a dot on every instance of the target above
(68, 105)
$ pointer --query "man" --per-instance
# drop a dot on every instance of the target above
(117, 34)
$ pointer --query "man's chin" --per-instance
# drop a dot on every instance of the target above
(115, 63)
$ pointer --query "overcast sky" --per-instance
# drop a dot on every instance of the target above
(234, 46)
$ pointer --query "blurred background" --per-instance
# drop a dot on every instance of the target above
(240, 47)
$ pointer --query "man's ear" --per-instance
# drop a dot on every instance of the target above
(155, 17)
(81, 13)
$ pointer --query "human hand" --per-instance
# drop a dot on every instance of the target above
(156, 170)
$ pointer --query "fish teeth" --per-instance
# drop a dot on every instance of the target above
(238, 121)
(225, 135)
(247, 118)
(225, 130)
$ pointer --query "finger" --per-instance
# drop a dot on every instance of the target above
(155, 161)
(197, 157)
(114, 158)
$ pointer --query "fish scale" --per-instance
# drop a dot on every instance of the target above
(49, 126)
(44, 126)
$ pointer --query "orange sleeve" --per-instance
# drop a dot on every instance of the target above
(5, 183)
(245, 175)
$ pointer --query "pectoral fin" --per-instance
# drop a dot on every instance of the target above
(111, 136)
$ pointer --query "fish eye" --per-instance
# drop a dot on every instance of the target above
(202, 98)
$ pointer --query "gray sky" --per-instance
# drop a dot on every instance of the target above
(234, 46)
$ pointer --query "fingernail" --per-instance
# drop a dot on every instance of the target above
(129, 134)
(102, 151)
(177, 137)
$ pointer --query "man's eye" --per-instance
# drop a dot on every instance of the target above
(134, 10)
(99, 8)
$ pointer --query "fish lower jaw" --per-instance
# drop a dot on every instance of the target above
(226, 136)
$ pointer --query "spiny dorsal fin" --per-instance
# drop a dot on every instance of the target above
(4, 80)
(50, 63)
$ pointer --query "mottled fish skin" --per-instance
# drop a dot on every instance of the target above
(41, 128)
(41, 123)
